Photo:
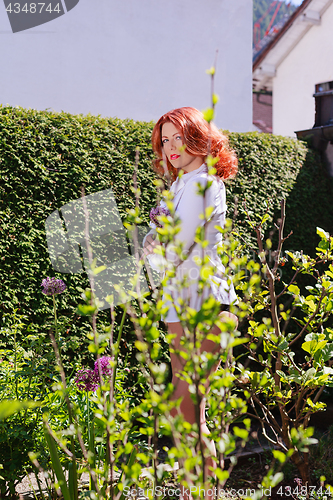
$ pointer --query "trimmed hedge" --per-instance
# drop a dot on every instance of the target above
(309, 205)
(268, 169)
(292, 170)
(46, 157)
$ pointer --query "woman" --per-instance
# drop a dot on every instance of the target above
(183, 139)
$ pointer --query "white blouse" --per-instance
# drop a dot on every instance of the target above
(189, 205)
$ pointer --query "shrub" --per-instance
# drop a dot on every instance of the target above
(46, 157)
(40, 151)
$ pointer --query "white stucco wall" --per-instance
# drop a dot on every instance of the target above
(309, 63)
(133, 59)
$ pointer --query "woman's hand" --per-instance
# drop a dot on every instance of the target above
(150, 244)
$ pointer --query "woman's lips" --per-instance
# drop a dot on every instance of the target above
(174, 157)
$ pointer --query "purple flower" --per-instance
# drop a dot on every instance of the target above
(155, 212)
(86, 380)
(104, 363)
(53, 286)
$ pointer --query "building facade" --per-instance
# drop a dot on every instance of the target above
(294, 62)
(133, 59)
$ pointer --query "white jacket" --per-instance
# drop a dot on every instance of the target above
(189, 205)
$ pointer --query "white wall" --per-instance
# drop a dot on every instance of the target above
(133, 59)
(309, 63)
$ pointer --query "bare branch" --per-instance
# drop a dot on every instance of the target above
(290, 283)
(59, 443)
(323, 293)
(281, 239)
(286, 323)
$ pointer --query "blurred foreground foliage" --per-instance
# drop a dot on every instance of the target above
(45, 159)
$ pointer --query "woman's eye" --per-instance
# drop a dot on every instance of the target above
(179, 137)
(164, 141)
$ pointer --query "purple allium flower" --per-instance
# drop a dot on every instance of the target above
(104, 363)
(155, 212)
(53, 286)
(86, 380)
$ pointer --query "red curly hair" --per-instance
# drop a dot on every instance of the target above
(197, 134)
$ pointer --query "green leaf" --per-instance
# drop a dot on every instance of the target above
(307, 377)
(265, 218)
(99, 269)
(208, 114)
(327, 352)
(215, 99)
(282, 375)
(323, 234)
(57, 465)
(294, 290)
(8, 407)
(323, 245)
(127, 478)
(73, 480)
(85, 310)
(313, 346)
(279, 455)
(276, 479)
(222, 475)
(208, 212)
(316, 406)
(211, 71)
(241, 433)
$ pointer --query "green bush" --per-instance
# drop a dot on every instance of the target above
(46, 157)
(309, 204)
(268, 169)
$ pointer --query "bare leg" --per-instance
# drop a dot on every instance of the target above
(181, 387)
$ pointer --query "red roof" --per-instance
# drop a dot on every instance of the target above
(280, 34)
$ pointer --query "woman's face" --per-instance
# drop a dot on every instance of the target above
(175, 149)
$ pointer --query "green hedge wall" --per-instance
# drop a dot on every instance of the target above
(274, 167)
(309, 205)
(46, 157)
